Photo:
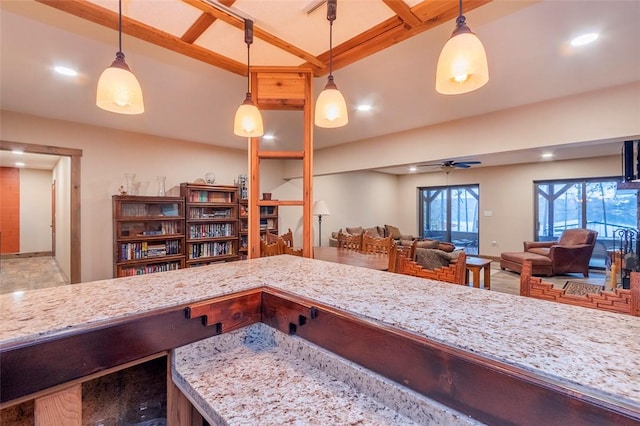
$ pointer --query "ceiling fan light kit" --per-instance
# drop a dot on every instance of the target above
(118, 88)
(462, 65)
(248, 120)
(331, 108)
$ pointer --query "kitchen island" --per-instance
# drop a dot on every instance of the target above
(584, 359)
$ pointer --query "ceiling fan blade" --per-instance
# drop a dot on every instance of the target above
(461, 165)
(469, 162)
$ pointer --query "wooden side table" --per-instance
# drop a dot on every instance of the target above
(475, 265)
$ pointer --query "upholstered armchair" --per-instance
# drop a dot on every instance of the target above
(570, 254)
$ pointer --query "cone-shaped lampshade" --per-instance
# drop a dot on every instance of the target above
(331, 108)
(119, 90)
(248, 121)
(462, 66)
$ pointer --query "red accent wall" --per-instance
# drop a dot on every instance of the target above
(9, 210)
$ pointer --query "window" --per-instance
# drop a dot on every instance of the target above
(586, 203)
(450, 213)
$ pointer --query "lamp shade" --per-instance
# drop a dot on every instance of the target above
(119, 90)
(331, 108)
(248, 120)
(320, 208)
(462, 65)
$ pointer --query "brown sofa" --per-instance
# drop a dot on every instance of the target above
(570, 254)
(375, 231)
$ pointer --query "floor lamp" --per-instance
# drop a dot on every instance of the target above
(320, 209)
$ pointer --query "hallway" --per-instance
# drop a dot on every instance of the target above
(29, 273)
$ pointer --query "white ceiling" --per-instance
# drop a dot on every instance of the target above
(526, 43)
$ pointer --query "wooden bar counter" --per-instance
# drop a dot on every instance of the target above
(538, 362)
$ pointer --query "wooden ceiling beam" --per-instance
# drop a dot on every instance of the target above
(203, 22)
(401, 9)
(259, 33)
(432, 13)
(107, 18)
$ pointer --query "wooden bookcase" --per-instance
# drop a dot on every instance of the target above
(148, 234)
(268, 220)
(211, 223)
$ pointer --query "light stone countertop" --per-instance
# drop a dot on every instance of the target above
(593, 351)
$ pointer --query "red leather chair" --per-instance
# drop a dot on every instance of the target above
(571, 253)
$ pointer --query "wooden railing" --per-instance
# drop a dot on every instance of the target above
(619, 300)
(453, 273)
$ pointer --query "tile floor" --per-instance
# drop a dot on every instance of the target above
(30, 273)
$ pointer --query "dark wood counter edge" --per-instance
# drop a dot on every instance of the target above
(485, 389)
(28, 367)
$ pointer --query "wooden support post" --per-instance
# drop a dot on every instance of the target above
(63, 408)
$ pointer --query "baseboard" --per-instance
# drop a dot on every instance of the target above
(25, 255)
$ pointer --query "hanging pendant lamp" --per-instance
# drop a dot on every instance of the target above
(331, 108)
(462, 65)
(248, 120)
(118, 89)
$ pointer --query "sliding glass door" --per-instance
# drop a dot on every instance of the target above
(451, 213)
(587, 203)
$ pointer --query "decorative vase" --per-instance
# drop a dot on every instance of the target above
(161, 182)
(131, 177)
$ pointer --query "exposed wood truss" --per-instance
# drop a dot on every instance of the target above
(407, 22)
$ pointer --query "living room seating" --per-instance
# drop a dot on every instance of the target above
(374, 231)
(350, 242)
(372, 244)
(617, 300)
(570, 254)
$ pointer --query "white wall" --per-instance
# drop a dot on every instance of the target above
(109, 154)
(506, 191)
(354, 199)
(62, 176)
(35, 210)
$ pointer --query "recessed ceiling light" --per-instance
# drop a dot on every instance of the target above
(66, 71)
(583, 39)
(547, 155)
(364, 107)
(19, 164)
(268, 137)
(413, 168)
(17, 151)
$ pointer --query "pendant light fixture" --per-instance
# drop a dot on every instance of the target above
(248, 121)
(331, 108)
(462, 66)
(118, 89)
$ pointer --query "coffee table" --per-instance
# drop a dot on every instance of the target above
(475, 265)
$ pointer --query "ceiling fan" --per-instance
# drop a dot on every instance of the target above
(449, 165)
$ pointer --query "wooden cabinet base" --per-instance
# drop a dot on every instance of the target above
(63, 408)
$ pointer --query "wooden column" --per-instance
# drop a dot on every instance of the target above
(282, 88)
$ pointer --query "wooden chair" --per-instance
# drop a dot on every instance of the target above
(270, 238)
(396, 250)
(350, 242)
(619, 300)
(375, 245)
(287, 237)
(455, 273)
(291, 250)
(271, 249)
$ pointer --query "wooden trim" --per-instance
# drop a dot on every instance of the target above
(26, 255)
(287, 155)
(75, 193)
(63, 408)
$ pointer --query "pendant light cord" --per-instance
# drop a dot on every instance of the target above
(331, 48)
(461, 19)
(119, 25)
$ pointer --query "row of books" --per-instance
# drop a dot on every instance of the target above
(210, 197)
(149, 269)
(211, 230)
(211, 249)
(146, 209)
(211, 213)
(143, 250)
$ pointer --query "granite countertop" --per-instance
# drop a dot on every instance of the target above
(593, 351)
